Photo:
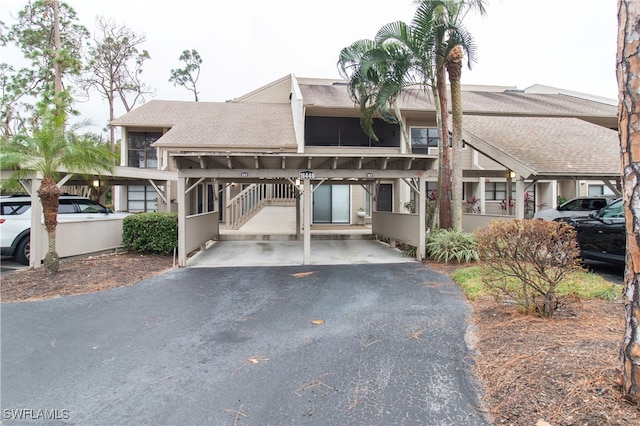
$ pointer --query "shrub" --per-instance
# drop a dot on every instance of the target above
(527, 259)
(445, 245)
(580, 285)
(410, 251)
(150, 232)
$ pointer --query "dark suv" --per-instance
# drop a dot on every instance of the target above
(15, 220)
(601, 236)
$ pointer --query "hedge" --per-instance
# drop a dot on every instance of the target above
(150, 232)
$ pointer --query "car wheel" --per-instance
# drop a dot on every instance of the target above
(23, 250)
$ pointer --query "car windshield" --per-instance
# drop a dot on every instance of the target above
(613, 210)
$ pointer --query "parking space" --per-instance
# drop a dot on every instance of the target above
(290, 253)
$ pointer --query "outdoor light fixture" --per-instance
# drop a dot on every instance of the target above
(512, 174)
(96, 183)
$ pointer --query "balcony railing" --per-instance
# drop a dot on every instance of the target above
(247, 203)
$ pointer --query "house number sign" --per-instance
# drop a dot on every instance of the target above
(307, 174)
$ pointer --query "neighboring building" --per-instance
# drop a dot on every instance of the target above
(265, 147)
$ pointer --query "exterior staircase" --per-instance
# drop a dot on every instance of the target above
(253, 198)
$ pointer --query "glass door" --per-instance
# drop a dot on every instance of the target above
(331, 204)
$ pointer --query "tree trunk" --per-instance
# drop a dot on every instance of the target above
(444, 166)
(454, 69)
(628, 70)
(435, 219)
(404, 135)
(57, 66)
(49, 194)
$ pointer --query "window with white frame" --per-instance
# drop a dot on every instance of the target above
(424, 140)
(141, 199)
(496, 191)
(140, 152)
(595, 190)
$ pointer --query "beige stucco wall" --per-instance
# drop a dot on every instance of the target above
(200, 229)
(89, 236)
(397, 226)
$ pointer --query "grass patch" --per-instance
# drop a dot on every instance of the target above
(470, 281)
(583, 284)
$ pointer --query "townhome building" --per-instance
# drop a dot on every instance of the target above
(298, 143)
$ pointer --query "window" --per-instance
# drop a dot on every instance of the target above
(496, 191)
(431, 191)
(595, 190)
(614, 210)
(66, 207)
(210, 198)
(425, 138)
(142, 198)
(342, 131)
(14, 207)
(90, 206)
(384, 201)
(140, 152)
(367, 200)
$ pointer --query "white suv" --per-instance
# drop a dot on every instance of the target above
(15, 220)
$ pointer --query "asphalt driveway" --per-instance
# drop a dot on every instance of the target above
(240, 346)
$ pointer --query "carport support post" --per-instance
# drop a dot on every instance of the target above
(306, 223)
(182, 222)
(519, 198)
(421, 252)
(36, 235)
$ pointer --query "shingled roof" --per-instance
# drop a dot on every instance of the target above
(551, 147)
(473, 102)
(213, 125)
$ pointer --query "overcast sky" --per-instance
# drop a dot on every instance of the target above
(245, 44)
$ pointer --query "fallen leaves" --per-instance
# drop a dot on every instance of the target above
(317, 322)
(303, 274)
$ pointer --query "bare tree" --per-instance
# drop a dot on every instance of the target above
(114, 67)
(628, 70)
(188, 76)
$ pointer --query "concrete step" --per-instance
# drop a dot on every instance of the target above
(278, 223)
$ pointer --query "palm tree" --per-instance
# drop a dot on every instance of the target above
(376, 75)
(439, 24)
(49, 150)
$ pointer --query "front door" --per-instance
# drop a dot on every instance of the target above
(331, 204)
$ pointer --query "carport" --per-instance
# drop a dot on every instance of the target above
(75, 238)
(305, 172)
(535, 149)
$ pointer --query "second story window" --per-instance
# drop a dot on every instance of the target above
(424, 140)
(140, 152)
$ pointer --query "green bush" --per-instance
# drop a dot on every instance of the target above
(526, 260)
(150, 232)
(446, 245)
